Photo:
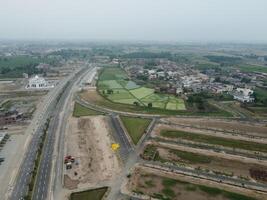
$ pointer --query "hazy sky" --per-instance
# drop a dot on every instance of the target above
(163, 20)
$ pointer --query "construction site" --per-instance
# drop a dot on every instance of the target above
(89, 141)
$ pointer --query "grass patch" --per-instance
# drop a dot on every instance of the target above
(240, 144)
(169, 182)
(209, 190)
(168, 192)
(95, 194)
(191, 157)
(135, 126)
(6, 105)
(80, 110)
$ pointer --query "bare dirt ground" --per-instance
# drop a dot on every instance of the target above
(89, 141)
(91, 96)
(11, 85)
(149, 182)
(231, 126)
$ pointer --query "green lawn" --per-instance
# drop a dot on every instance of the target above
(135, 126)
(95, 194)
(80, 110)
(240, 144)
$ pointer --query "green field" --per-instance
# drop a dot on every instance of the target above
(80, 110)
(135, 126)
(120, 94)
(239, 144)
(95, 194)
(189, 157)
(253, 68)
(141, 92)
(114, 84)
(113, 73)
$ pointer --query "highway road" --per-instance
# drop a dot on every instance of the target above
(23, 178)
(58, 155)
(41, 190)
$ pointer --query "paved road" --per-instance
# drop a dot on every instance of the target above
(121, 138)
(44, 172)
(24, 174)
(58, 157)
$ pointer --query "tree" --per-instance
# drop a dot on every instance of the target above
(110, 91)
(136, 103)
(149, 105)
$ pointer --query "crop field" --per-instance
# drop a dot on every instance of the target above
(142, 92)
(120, 94)
(108, 84)
(114, 84)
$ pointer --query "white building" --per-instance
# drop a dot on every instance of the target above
(243, 95)
(37, 82)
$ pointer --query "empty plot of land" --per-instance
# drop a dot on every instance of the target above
(235, 126)
(199, 160)
(80, 110)
(214, 140)
(153, 183)
(89, 141)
